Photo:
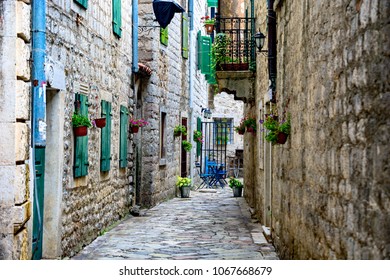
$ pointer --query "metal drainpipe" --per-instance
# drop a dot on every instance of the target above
(135, 35)
(191, 86)
(38, 117)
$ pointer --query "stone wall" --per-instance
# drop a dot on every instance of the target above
(97, 63)
(329, 194)
(166, 91)
(15, 200)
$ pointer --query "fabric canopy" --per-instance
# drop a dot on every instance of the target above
(164, 10)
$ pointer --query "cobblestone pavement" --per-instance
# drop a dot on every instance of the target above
(208, 225)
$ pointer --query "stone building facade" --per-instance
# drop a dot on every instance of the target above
(163, 99)
(15, 75)
(325, 193)
(96, 63)
(84, 60)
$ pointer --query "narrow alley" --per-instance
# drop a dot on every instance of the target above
(208, 225)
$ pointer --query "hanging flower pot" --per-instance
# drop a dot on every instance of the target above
(134, 129)
(100, 123)
(282, 138)
(241, 132)
(80, 131)
(250, 129)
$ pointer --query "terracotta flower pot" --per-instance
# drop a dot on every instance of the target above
(209, 28)
(80, 131)
(250, 129)
(241, 132)
(100, 123)
(134, 129)
(282, 138)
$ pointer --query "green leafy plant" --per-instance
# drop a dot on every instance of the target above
(207, 20)
(235, 183)
(219, 50)
(80, 120)
(198, 136)
(179, 130)
(183, 182)
(250, 124)
(186, 145)
(240, 129)
(273, 127)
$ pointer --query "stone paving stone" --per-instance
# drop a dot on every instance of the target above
(208, 225)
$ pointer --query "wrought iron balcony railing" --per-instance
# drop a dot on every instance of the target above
(241, 48)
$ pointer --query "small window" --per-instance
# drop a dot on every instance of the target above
(223, 131)
(105, 152)
(80, 167)
(124, 125)
(163, 135)
(117, 17)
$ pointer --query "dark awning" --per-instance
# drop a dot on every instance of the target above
(164, 10)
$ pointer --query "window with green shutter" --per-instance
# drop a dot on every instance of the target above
(105, 147)
(80, 167)
(185, 36)
(117, 17)
(212, 3)
(124, 125)
(204, 54)
(83, 3)
(164, 36)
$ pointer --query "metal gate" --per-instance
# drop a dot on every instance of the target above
(212, 164)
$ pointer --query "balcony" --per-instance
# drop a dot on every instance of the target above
(235, 72)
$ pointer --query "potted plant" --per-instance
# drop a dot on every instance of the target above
(250, 124)
(236, 186)
(184, 185)
(198, 136)
(135, 124)
(100, 122)
(277, 131)
(208, 24)
(179, 130)
(240, 129)
(219, 52)
(80, 124)
(186, 145)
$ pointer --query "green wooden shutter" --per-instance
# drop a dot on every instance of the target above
(117, 17)
(205, 57)
(105, 151)
(185, 36)
(124, 125)
(199, 128)
(212, 3)
(83, 3)
(81, 143)
(164, 36)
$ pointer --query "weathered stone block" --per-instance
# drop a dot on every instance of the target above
(22, 57)
(21, 245)
(22, 214)
(22, 106)
(6, 220)
(7, 100)
(7, 175)
(6, 245)
(23, 20)
(22, 145)
(7, 144)
(22, 180)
